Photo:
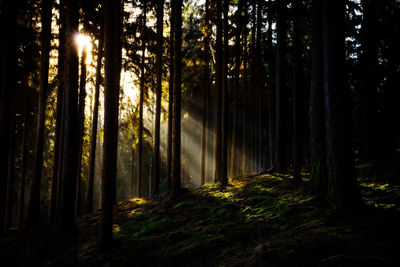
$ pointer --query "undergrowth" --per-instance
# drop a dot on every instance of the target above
(258, 221)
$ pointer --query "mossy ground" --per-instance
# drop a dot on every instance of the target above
(256, 221)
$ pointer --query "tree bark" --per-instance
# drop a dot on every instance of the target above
(141, 100)
(81, 129)
(34, 201)
(112, 37)
(281, 90)
(343, 190)
(225, 103)
(60, 101)
(11, 174)
(369, 95)
(298, 93)
(218, 96)
(205, 98)
(93, 135)
(8, 83)
(176, 131)
(170, 96)
(235, 168)
(155, 189)
(319, 182)
(65, 216)
(24, 161)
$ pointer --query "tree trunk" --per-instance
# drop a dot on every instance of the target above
(298, 93)
(141, 100)
(93, 135)
(176, 131)
(206, 90)
(369, 95)
(343, 191)
(24, 160)
(270, 88)
(112, 37)
(8, 83)
(235, 167)
(11, 174)
(65, 216)
(225, 103)
(319, 182)
(81, 129)
(218, 97)
(60, 100)
(34, 201)
(170, 96)
(245, 98)
(281, 90)
(155, 189)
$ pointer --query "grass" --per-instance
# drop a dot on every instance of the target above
(258, 221)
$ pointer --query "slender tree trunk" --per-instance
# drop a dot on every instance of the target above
(254, 87)
(11, 174)
(245, 97)
(343, 191)
(235, 167)
(24, 160)
(176, 131)
(298, 93)
(319, 182)
(271, 88)
(141, 100)
(34, 201)
(281, 90)
(218, 96)
(133, 173)
(170, 96)
(8, 67)
(205, 104)
(225, 103)
(155, 189)
(81, 129)
(260, 86)
(112, 37)
(93, 135)
(66, 212)
(369, 96)
(60, 101)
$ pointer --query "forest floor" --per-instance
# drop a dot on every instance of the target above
(263, 220)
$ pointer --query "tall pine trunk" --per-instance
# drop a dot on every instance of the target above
(281, 90)
(11, 173)
(81, 129)
(60, 100)
(24, 161)
(34, 201)
(66, 214)
(235, 167)
(319, 182)
(218, 96)
(205, 99)
(155, 188)
(112, 52)
(343, 190)
(298, 93)
(225, 103)
(141, 100)
(93, 135)
(170, 96)
(7, 87)
(176, 130)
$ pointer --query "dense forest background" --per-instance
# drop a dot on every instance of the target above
(104, 101)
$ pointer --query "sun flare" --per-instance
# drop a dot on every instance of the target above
(84, 41)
